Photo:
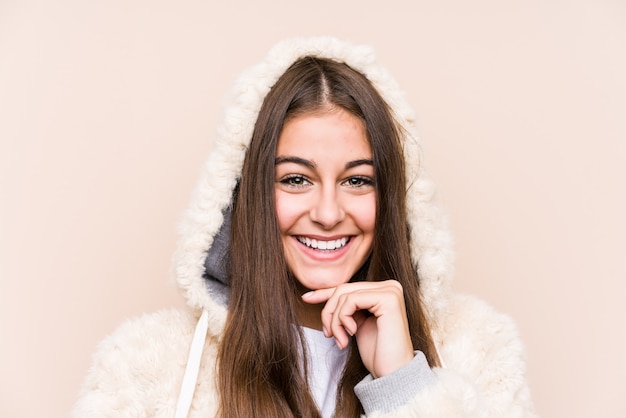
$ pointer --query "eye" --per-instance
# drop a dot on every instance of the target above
(359, 181)
(295, 180)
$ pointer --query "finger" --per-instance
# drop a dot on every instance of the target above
(323, 295)
(333, 326)
(351, 311)
(318, 296)
(345, 313)
(340, 322)
(342, 326)
(353, 308)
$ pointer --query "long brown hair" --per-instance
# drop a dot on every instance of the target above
(261, 359)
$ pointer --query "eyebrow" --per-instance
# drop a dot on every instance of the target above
(295, 160)
(312, 165)
(357, 163)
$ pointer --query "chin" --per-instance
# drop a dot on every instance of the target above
(325, 282)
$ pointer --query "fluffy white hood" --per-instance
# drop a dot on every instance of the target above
(430, 242)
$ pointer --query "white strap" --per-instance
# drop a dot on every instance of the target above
(193, 367)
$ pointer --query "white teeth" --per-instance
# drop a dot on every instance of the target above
(323, 245)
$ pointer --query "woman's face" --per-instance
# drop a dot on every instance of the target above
(325, 197)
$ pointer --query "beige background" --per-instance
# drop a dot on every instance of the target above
(107, 110)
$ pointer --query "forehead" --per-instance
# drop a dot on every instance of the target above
(333, 133)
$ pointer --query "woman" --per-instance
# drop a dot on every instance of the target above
(320, 266)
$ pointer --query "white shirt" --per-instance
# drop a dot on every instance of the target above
(326, 363)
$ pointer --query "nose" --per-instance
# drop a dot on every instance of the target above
(327, 210)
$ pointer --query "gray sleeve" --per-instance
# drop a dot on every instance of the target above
(395, 389)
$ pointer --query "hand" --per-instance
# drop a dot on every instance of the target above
(375, 313)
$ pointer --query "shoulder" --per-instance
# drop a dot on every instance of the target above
(470, 324)
(166, 323)
(147, 336)
(482, 347)
(138, 366)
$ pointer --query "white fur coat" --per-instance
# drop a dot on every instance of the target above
(138, 371)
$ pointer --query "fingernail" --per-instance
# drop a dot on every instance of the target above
(325, 331)
(307, 294)
(338, 344)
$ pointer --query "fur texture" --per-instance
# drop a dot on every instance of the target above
(138, 370)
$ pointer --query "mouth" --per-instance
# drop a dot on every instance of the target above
(321, 245)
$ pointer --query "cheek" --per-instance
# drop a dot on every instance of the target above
(285, 211)
(365, 215)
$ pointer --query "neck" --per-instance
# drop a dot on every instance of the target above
(309, 316)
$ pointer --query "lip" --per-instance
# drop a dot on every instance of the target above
(324, 255)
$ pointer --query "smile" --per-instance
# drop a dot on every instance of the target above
(324, 245)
